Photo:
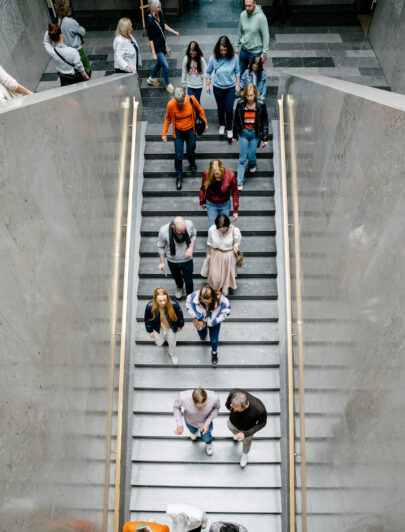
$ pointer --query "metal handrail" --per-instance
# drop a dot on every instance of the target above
(291, 428)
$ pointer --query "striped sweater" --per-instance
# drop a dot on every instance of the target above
(198, 310)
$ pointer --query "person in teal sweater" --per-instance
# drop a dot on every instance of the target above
(224, 65)
(253, 35)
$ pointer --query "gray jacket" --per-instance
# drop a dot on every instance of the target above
(164, 243)
(73, 33)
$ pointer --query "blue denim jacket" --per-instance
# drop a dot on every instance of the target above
(249, 77)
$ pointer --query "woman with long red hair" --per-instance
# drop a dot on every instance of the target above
(163, 320)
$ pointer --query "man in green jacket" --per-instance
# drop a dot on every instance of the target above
(253, 35)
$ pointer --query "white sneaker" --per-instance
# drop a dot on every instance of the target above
(179, 293)
(221, 130)
(252, 170)
(174, 359)
(170, 88)
(194, 436)
(152, 81)
(243, 460)
(229, 134)
(240, 187)
(209, 449)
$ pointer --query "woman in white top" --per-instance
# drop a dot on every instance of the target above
(193, 70)
(223, 241)
(9, 87)
(126, 50)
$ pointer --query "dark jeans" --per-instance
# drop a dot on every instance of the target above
(214, 336)
(182, 137)
(225, 99)
(194, 92)
(245, 58)
(180, 271)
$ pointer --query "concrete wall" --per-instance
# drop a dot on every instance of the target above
(350, 192)
(59, 203)
(387, 38)
(22, 28)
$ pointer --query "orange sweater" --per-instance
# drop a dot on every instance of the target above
(131, 526)
(182, 117)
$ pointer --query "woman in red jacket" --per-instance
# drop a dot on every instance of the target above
(217, 187)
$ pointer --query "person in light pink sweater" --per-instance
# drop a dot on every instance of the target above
(8, 86)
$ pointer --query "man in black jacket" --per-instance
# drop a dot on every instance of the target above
(248, 416)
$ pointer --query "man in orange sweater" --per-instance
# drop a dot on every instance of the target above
(182, 115)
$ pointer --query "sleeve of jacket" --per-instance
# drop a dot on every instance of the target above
(261, 423)
(264, 30)
(78, 62)
(161, 244)
(238, 38)
(202, 188)
(204, 520)
(78, 29)
(177, 411)
(167, 121)
(244, 79)
(48, 44)
(236, 121)
(224, 313)
(263, 86)
(235, 193)
(214, 412)
(179, 313)
(199, 109)
(190, 305)
(147, 318)
(264, 130)
(119, 54)
(210, 68)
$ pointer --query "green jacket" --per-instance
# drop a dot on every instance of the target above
(253, 32)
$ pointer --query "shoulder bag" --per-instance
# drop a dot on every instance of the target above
(198, 121)
(68, 79)
(238, 253)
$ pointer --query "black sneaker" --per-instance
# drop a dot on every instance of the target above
(193, 170)
(214, 359)
(179, 182)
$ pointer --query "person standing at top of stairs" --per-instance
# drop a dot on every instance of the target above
(181, 114)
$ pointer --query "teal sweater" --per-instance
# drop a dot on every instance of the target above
(253, 32)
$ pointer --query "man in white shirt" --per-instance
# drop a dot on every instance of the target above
(186, 518)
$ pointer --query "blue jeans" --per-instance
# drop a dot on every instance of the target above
(161, 63)
(248, 143)
(225, 99)
(206, 438)
(214, 336)
(180, 271)
(182, 137)
(213, 209)
(245, 58)
(194, 92)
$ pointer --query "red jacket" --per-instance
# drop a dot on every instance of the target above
(229, 185)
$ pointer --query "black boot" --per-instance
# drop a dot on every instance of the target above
(179, 182)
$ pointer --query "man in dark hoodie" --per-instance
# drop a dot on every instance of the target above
(253, 35)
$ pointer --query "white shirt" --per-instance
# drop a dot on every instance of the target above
(125, 53)
(196, 516)
(223, 241)
(7, 80)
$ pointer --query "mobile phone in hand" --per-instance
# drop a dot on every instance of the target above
(164, 273)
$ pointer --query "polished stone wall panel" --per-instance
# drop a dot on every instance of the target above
(58, 208)
(350, 188)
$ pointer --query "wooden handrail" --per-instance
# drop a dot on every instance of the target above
(291, 429)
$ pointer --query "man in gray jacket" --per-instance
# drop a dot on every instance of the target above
(199, 407)
(176, 241)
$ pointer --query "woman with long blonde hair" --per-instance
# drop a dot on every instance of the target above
(127, 57)
(163, 320)
(217, 186)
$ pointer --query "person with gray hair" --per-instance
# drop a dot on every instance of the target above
(181, 111)
(155, 27)
(186, 517)
(248, 416)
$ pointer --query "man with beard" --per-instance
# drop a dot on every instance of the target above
(176, 241)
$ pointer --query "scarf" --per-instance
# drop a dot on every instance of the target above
(173, 236)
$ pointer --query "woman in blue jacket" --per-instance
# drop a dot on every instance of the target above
(257, 75)
(224, 65)
(163, 320)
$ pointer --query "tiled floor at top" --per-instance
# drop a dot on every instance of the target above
(342, 52)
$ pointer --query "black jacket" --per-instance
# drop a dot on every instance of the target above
(261, 120)
(156, 34)
(154, 324)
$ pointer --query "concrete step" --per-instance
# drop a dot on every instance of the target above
(207, 149)
(236, 333)
(183, 451)
(161, 401)
(207, 475)
(167, 165)
(219, 378)
(215, 499)
(193, 184)
(198, 356)
(241, 311)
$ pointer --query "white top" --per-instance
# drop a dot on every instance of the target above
(194, 416)
(196, 516)
(125, 53)
(7, 80)
(192, 78)
(70, 54)
(225, 241)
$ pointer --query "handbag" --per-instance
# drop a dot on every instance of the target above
(199, 324)
(238, 253)
(198, 121)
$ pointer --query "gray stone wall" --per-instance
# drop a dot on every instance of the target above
(348, 235)
(22, 27)
(387, 38)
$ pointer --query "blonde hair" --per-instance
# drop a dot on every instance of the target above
(207, 292)
(247, 88)
(210, 176)
(122, 27)
(199, 395)
(168, 307)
